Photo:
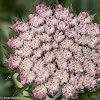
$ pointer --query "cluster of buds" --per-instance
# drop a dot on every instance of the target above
(57, 49)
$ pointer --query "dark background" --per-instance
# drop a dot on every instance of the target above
(9, 10)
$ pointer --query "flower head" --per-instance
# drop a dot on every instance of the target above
(54, 49)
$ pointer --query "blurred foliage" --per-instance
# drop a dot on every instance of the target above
(9, 10)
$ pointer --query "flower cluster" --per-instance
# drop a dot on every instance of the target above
(56, 48)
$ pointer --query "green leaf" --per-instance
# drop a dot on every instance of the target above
(28, 97)
(32, 86)
(17, 83)
(71, 9)
(92, 16)
(29, 91)
(20, 90)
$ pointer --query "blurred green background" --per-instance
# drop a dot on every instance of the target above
(9, 10)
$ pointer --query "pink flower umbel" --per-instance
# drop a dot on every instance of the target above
(14, 61)
(58, 36)
(42, 75)
(20, 26)
(15, 43)
(56, 49)
(40, 91)
(27, 76)
(26, 64)
(68, 90)
(52, 85)
(62, 75)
